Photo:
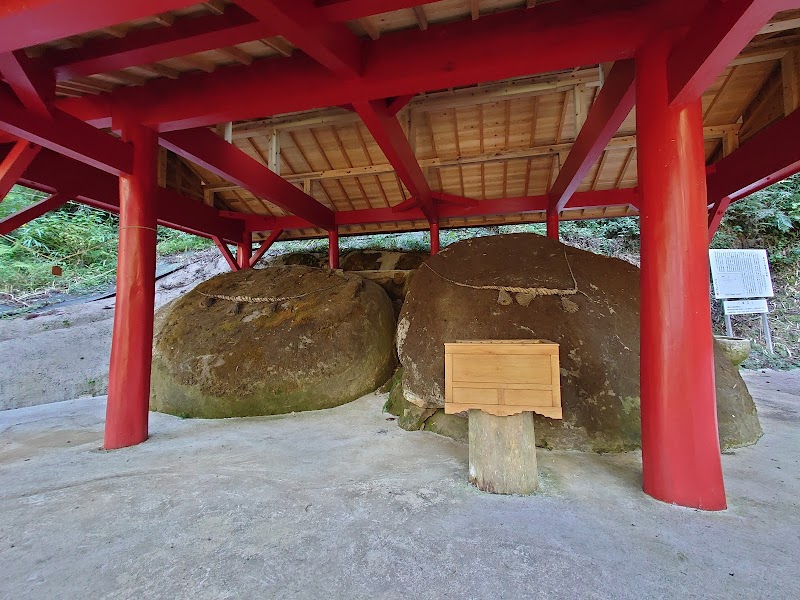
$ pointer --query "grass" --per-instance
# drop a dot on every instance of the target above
(80, 240)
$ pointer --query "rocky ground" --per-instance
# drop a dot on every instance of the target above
(62, 352)
(342, 503)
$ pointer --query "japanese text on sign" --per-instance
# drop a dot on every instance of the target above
(740, 274)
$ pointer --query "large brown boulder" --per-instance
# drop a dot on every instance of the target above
(271, 341)
(597, 328)
(383, 260)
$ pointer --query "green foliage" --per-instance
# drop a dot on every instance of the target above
(767, 219)
(172, 242)
(80, 240)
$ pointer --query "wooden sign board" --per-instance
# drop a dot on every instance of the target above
(740, 274)
(503, 377)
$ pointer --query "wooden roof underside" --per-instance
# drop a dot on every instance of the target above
(499, 140)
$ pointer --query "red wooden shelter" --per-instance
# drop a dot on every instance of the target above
(257, 120)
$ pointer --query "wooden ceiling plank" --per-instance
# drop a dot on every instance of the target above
(420, 17)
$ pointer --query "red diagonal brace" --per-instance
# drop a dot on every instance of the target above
(715, 214)
(227, 254)
(396, 104)
(29, 213)
(66, 135)
(721, 31)
(331, 44)
(388, 134)
(14, 165)
(612, 106)
(32, 81)
(265, 245)
(205, 148)
(769, 156)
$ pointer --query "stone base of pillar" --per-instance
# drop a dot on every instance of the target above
(502, 453)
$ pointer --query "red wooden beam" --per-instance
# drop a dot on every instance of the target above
(611, 107)
(29, 22)
(721, 31)
(469, 208)
(553, 36)
(65, 134)
(188, 35)
(205, 148)
(434, 237)
(14, 164)
(769, 156)
(244, 250)
(29, 213)
(331, 44)
(715, 214)
(265, 245)
(50, 172)
(348, 10)
(333, 249)
(227, 254)
(453, 199)
(389, 135)
(32, 81)
(396, 104)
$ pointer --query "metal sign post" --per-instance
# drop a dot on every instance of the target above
(743, 282)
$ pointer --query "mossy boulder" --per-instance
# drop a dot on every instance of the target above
(414, 418)
(272, 341)
(382, 260)
(597, 330)
(303, 259)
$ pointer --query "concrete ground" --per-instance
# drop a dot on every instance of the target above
(343, 504)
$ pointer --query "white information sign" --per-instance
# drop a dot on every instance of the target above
(746, 307)
(740, 274)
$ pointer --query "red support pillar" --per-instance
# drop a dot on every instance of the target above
(333, 248)
(434, 238)
(132, 340)
(680, 441)
(552, 224)
(244, 250)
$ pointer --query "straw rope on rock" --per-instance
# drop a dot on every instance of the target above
(524, 295)
(271, 341)
(589, 306)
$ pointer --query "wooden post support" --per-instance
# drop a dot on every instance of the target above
(552, 225)
(244, 250)
(333, 248)
(132, 339)
(502, 453)
(680, 442)
(434, 232)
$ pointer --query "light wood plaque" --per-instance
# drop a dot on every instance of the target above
(502, 377)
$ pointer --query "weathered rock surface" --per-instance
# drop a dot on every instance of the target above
(328, 342)
(303, 259)
(390, 270)
(382, 260)
(597, 329)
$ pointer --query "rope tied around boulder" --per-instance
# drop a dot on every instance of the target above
(269, 299)
(527, 293)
